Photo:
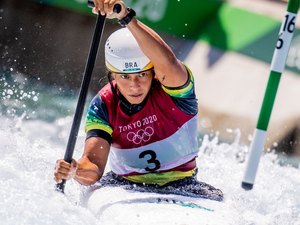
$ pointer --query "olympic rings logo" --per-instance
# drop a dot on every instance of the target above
(141, 135)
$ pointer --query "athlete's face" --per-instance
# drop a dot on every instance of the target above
(135, 86)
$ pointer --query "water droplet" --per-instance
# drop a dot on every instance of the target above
(10, 92)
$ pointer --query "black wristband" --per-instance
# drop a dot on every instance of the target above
(126, 20)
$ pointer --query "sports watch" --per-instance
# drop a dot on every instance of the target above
(126, 20)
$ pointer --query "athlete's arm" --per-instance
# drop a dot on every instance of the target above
(91, 165)
(168, 69)
(89, 168)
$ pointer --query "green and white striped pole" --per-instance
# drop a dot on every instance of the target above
(278, 63)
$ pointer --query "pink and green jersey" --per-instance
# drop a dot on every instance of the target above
(157, 143)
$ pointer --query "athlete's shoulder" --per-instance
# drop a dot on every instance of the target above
(185, 91)
(107, 95)
(106, 91)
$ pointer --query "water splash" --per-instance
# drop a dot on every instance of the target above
(30, 145)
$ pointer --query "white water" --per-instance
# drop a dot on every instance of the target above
(30, 146)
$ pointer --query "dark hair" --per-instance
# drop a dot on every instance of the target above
(110, 79)
(104, 79)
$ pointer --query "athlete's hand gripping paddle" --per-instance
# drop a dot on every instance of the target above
(84, 87)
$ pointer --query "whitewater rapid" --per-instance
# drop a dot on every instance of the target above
(31, 142)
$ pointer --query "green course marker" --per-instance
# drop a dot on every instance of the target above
(277, 66)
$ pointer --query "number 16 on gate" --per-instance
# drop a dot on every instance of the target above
(277, 66)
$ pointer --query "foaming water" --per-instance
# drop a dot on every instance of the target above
(31, 143)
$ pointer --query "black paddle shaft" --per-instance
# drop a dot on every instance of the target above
(84, 89)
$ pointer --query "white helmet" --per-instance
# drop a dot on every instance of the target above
(123, 54)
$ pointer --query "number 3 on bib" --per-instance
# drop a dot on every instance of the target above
(152, 160)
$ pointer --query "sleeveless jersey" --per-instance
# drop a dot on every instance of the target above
(159, 139)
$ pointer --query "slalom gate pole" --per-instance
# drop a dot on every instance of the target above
(277, 66)
(99, 27)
